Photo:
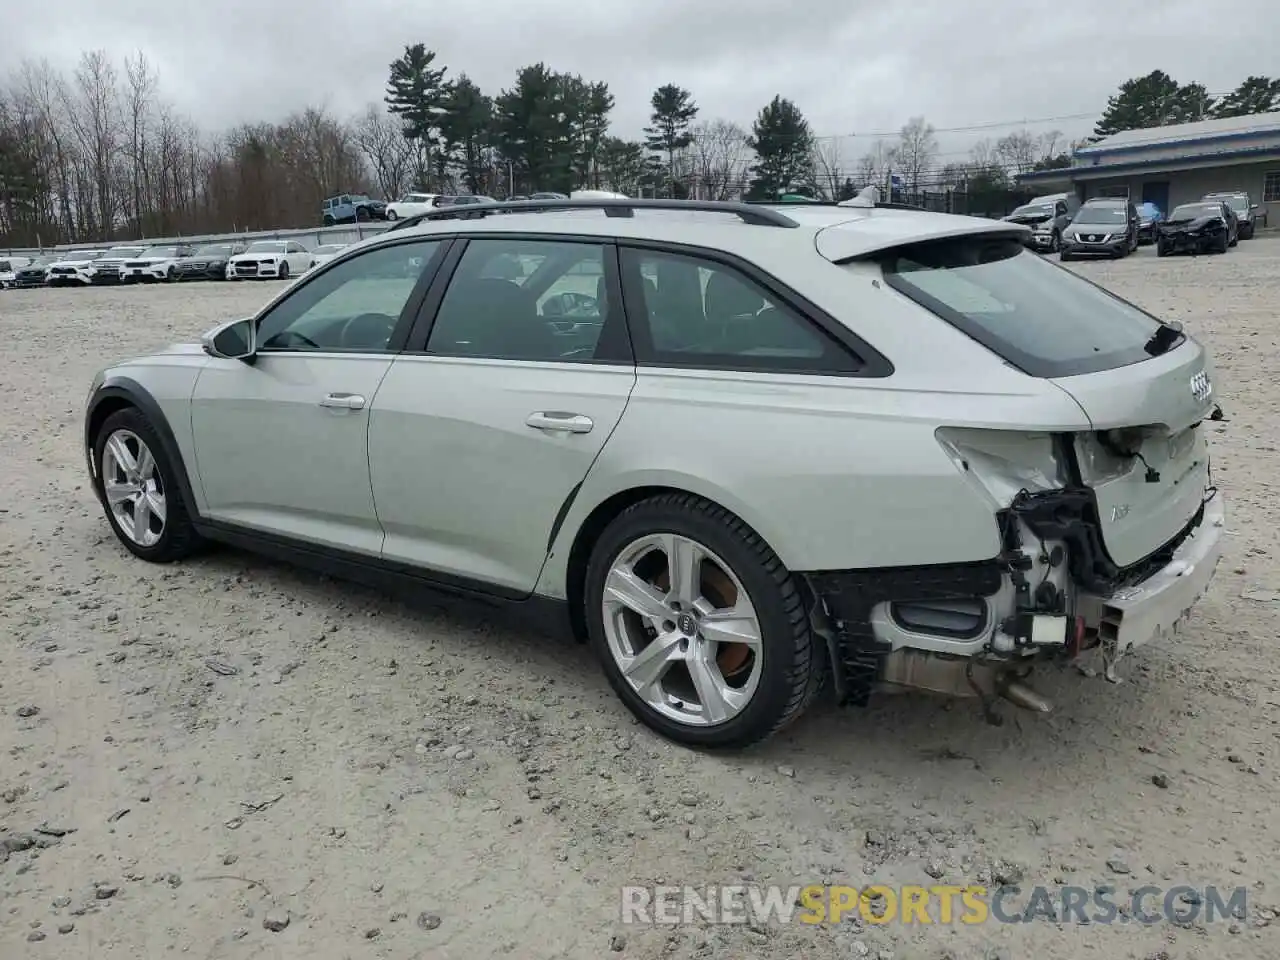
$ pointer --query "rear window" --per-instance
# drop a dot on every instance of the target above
(1041, 318)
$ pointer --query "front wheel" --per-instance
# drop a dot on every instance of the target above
(284, 271)
(328, 220)
(702, 632)
(1162, 250)
(138, 487)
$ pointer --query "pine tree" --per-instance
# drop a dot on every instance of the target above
(415, 91)
(668, 131)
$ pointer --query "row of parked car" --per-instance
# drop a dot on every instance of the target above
(142, 263)
(1115, 227)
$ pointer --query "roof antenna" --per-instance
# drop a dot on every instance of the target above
(867, 197)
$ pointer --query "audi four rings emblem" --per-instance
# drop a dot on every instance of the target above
(1201, 388)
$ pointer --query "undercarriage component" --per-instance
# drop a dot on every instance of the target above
(967, 677)
(850, 596)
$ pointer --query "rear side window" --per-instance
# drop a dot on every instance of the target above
(703, 313)
(1040, 317)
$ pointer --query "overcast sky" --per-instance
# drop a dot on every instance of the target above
(853, 67)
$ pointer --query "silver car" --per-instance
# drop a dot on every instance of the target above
(738, 449)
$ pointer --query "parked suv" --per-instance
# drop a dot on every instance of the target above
(1046, 217)
(1103, 227)
(1245, 210)
(350, 207)
(736, 448)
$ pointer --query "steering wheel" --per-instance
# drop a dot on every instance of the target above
(570, 302)
(367, 330)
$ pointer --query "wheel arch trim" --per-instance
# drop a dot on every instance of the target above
(554, 580)
(115, 393)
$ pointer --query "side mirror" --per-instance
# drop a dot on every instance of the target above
(236, 340)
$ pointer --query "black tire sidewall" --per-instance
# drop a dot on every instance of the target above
(761, 716)
(284, 271)
(178, 533)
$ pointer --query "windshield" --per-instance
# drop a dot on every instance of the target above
(1101, 214)
(1043, 319)
(266, 246)
(1239, 204)
(1189, 211)
(4, 267)
(329, 248)
(124, 251)
(1034, 210)
(166, 252)
(214, 250)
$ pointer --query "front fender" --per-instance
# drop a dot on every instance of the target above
(115, 392)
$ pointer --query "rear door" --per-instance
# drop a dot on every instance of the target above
(483, 430)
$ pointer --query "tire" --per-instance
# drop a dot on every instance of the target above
(1225, 245)
(1161, 250)
(177, 537)
(171, 275)
(328, 220)
(362, 214)
(391, 215)
(789, 665)
(284, 271)
(1055, 242)
(1064, 257)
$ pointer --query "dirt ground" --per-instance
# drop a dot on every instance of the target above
(217, 748)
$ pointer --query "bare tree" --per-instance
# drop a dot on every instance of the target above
(719, 159)
(874, 165)
(917, 150)
(828, 168)
(381, 139)
(1017, 151)
(141, 87)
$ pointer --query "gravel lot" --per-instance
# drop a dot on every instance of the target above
(309, 777)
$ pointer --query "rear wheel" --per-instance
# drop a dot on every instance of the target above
(701, 630)
(139, 490)
(362, 214)
(391, 215)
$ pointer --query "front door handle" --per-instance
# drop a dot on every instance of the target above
(557, 421)
(344, 401)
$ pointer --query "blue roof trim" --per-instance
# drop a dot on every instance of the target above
(1097, 149)
(1070, 173)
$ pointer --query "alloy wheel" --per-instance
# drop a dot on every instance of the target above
(133, 488)
(682, 629)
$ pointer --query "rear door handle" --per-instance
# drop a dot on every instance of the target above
(557, 421)
(344, 401)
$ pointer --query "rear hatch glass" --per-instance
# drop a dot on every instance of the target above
(1037, 316)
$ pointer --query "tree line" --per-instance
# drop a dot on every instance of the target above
(98, 153)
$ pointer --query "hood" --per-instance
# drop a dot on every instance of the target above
(1029, 220)
(212, 258)
(73, 263)
(257, 256)
(1191, 222)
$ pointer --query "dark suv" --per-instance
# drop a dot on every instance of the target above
(1104, 227)
(1245, 209)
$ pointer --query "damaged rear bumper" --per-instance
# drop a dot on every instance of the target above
(1097, 603)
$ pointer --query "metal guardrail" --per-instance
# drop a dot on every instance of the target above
(309, 237)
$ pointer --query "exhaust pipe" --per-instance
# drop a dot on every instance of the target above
(1021, 695)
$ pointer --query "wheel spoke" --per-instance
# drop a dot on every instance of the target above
(651, 664)
(732, 625)
(119, 492)
(684, 569)
(120, 451)
(146, 463)
(155, 503)
(626, 588)
(141, 519)
(714, 695)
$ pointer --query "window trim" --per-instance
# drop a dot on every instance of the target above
(871, 363)
(1272, 176)
(615, 335)
(408, 313)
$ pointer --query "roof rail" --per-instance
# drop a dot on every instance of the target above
(845, 204)
(747, 212)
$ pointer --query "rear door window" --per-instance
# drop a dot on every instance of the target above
(1042, 318)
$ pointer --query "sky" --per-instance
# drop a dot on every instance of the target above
(857, 69)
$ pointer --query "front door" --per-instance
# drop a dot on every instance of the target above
(282, 442)
(480, 435)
